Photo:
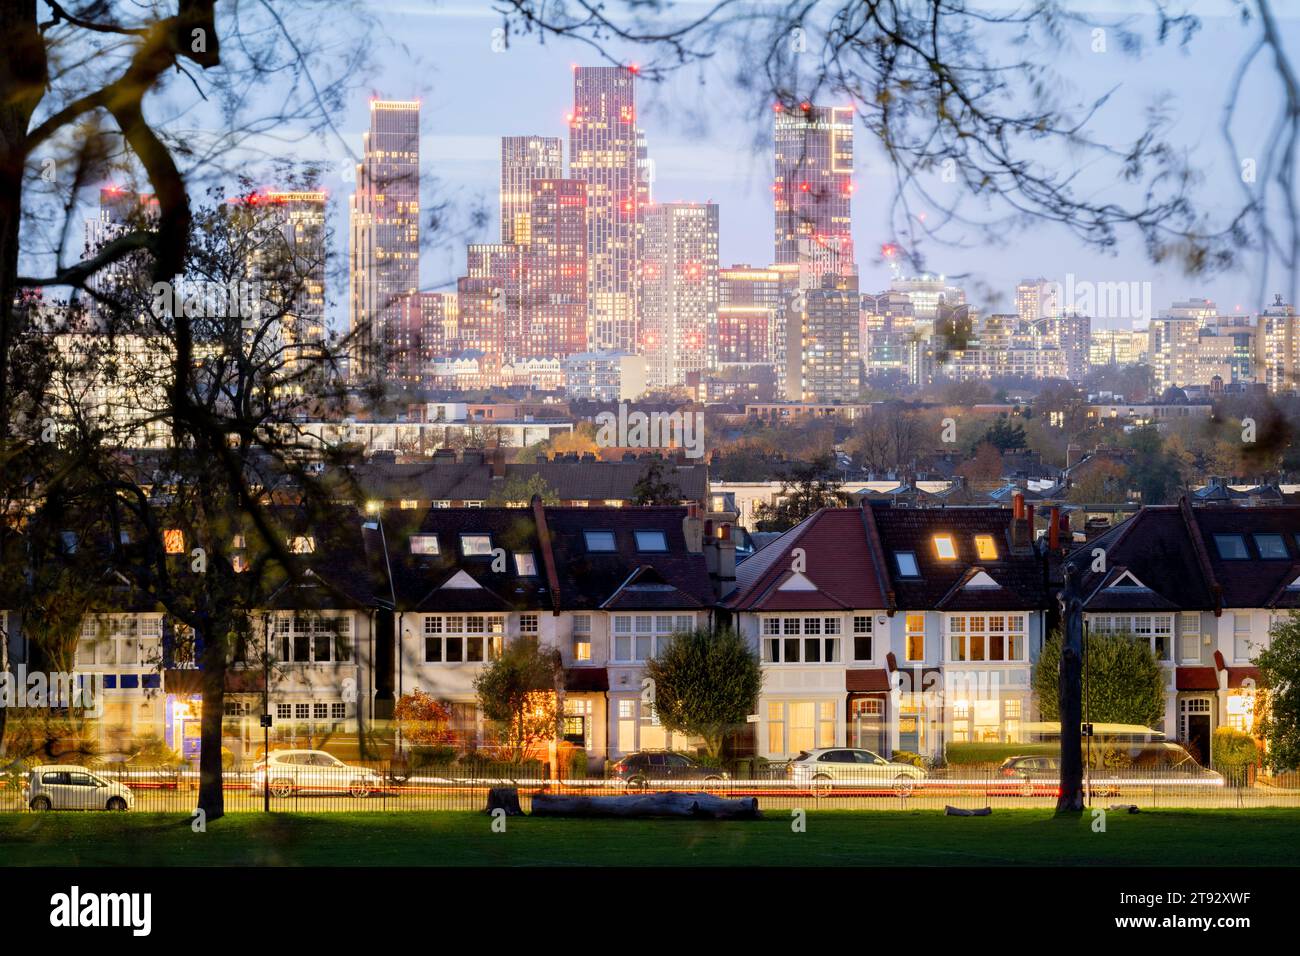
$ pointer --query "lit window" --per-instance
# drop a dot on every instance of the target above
(476, 545)
(599, 540)
(1232, 547)
(944, 547)
(424, 544)
(525, 564)
(303, 544)
(985, 547)
(174, 541)
(907, 564)
(1271, 546)
(582, 637)
(915, 647)
(651, 541)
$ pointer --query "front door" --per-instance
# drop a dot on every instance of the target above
(1196, 727)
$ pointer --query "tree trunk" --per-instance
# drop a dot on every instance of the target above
(1070, 799)
(211, 794)
(670, 804)
(22, 85)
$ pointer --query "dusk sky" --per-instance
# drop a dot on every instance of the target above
(704, 138)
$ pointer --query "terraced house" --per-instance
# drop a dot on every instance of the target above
(1203, 586)
(605, 587)
(895, 628)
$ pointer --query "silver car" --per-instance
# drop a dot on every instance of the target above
(64, 787)
(844, 767)
(312, 771)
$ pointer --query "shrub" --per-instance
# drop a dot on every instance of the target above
(574, 761)
(906, 756)
(435, 756)
(703, 758)
(976, 754)
(1234, 753)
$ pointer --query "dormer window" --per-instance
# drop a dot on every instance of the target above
(476, 545)
(1232, 547)
(945, 547)
(907, 567)
(1271, 547)
(599, 540)
(525, 564)
(651, 541)
(424, 544)
(986, 547)
(174, 541)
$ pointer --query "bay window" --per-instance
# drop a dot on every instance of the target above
(802, 640)
(1156, 629)
(463, 638)
(313, 639)
(986, 637)
(639, 637)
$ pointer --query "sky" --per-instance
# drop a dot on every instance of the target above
(707, 139)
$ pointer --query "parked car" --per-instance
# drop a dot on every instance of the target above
(287, 772)
(825, 768)
(639, 770)
(66, 787)
(1032, 773)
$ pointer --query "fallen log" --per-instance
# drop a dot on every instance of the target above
(951, 811)
(641, 805)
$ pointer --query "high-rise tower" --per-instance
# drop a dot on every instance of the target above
(813, 189)
(603, 154)
(384, 260)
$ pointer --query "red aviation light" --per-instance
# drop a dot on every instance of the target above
(804, 187)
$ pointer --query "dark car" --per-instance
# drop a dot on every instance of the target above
(648, 767)
(1031, 771)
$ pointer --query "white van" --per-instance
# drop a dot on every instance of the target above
(64, 787)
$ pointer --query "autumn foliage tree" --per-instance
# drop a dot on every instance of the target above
(517, 690)
(423, 719)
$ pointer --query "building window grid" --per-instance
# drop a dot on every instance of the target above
(463, 638)
(987, 637)
(313, 639)
(1157, 629)
(802, 640)
(642, 636)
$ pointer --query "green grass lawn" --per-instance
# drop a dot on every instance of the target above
(866, 838)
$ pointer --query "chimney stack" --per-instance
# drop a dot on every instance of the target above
(1017, 506)
(693, 529)
(1054, 528)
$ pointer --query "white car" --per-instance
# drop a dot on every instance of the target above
(65, 787)
(312, 771)
(843, 767)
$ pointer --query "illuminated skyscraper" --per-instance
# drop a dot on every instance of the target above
(426, 330)
(489, 300)
(813, 189)
(603, 153)
(384, 262)
(748, 302)
(301, 216)
(679, 290)
(553, 309)
(823, 351)
(523, 160)
(120, 211)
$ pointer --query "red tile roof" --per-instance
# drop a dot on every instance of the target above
(838, 561)
(866, 679)
(1197, 678)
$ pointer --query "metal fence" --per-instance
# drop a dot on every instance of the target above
(382, 787)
